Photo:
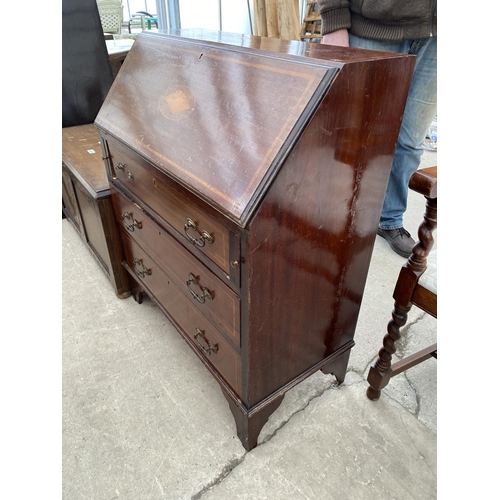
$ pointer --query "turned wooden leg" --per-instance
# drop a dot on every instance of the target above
(381, 371)
(138, 296)
(249, 425)
(137, 291)
(338, 367)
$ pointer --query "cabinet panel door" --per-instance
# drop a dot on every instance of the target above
(70, 201)
(94, 231)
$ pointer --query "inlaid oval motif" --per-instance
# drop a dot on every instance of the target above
(177, 103)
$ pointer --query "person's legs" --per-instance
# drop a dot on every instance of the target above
(419, 112)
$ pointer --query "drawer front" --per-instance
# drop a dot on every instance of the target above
(201, 333)
(207, 293)
(198, 227)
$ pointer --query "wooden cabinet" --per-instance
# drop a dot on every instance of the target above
(248, 176)
(87, 202)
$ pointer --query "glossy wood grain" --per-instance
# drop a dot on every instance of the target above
(287, 148)
(311, 241)
(225, 359)
(221, 306)
(150, 185)
(426, 300)
(217, 120)
(328, 54)
(424, 181)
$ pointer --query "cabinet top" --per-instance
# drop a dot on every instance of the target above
(215, 111)
(82, 154)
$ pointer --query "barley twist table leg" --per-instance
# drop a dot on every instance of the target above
(381, 371)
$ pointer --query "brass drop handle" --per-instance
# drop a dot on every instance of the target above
(135, 223)
(211, 347)
(130, 175)
(141, 272)
(193, 280)
(204, 238)
(120, 166)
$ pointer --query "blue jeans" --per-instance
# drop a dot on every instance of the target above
(420, 110)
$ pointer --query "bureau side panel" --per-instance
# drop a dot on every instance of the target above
(310, 243)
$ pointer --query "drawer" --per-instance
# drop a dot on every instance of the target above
(202, 335)
(207, 293)
(149, 185)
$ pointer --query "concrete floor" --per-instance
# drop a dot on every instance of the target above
(143, 419)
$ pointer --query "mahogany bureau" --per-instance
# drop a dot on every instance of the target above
(248, 176)
(87, 202)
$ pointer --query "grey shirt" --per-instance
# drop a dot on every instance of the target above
(381, 19)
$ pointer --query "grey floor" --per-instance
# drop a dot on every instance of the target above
(143, 419)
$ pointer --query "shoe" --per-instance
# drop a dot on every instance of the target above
(429, 145)
(399, 240)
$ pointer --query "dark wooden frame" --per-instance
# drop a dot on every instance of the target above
(408, 292)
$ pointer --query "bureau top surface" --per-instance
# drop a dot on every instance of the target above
(324, 52)
(82, 154)
(218, 119)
